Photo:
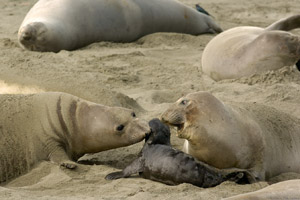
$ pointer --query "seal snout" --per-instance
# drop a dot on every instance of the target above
(27, 34)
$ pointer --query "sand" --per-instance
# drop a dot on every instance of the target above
(146, 75)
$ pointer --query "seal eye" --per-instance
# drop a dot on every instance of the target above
(133, 114)
(184, 102)
(120, 127)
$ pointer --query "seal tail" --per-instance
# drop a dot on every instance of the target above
(214, 28)
(285, 24)
(200, 9)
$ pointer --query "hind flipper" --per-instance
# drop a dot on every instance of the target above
(200, 9)
(285, 24)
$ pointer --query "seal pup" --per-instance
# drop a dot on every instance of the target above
(61, 128)
(70, 24)
(248, 136)
(283, 190)
(158, 161)
(247, 50)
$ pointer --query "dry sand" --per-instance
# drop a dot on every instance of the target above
(146, 75)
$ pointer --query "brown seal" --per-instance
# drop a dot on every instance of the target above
(241, 135)
(60, 127)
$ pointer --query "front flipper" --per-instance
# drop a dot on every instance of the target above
(69, 165)
(240, 176)
(114, 175)
(60, 157)
(135, 167)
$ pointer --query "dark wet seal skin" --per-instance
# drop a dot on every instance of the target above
(158, 161)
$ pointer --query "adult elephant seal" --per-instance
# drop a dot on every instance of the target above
(247, 50)
(60, 127)
(242, 135)
(282, 190)
(53, 25)
(158, 161)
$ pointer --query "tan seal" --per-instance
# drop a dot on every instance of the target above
(246, 50)
(70, 24)
(61, 128)
(241, 135)
(279, 191)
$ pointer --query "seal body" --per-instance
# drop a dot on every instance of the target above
(244, 51)
(282, 190)
(61, 128)
(53, 25)
(158, 161)
(247, 136)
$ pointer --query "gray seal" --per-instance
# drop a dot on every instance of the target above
(160, 162)
(70, 24)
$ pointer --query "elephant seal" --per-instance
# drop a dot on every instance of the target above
(283, 190)
(61, 128)
(243, 135)
(246, 50)
(70, 24)
(158, 161)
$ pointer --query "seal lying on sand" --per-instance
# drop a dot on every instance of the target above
(70, 24)
(158, 161)
(282, 190)
(242, 135)
(60, 127)
(247, 50)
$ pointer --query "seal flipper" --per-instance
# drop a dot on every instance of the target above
(60, 157)
(135, 167)
(285, 24)
(213, 27)
(114, 175)
(239, 176)
(200, 9)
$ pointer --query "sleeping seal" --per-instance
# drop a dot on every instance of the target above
(158, 161)
(53, 25)
(247, 50)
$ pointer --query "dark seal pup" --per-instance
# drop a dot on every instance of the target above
(158, 161)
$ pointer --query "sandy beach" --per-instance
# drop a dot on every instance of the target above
(147, 76)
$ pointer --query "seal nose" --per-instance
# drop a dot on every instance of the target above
(28, 34)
